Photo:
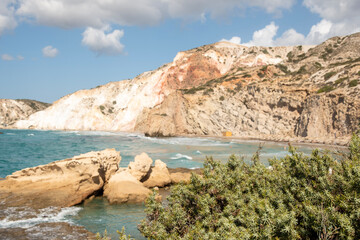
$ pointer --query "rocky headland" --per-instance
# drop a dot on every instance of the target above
(19, 109)
(55, 186)
(297, 93)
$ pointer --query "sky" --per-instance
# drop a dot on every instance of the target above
(51, 48)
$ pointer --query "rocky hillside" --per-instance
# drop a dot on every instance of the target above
(303, 93)
(14, 110)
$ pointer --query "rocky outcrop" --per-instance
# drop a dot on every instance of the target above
(182, 175)
(299, 93)
(125, 188)
(45, 231)
(20, 109)
(158, 176)
(62, 183)
(140, 167)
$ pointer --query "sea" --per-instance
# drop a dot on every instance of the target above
(28, 148)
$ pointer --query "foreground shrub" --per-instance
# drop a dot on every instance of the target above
(298, 197)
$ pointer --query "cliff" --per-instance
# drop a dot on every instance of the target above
(14, 110)
(303, 93)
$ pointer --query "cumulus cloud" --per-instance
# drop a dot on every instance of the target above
(7, 15)
(7, 57)
(50, 52)
(236, 40)
(99, 13)
(339, 17)
(103, 41)
(19, 57)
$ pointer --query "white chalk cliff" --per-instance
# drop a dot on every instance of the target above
(278, 93)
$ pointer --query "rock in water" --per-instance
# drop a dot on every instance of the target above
(123, 187)
(140, 167)
(158, 176)
(61, 183)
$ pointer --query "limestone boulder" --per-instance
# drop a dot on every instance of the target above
(140, 167)
(179, 175)
(158, 175)
(61, 183)
(123, 187)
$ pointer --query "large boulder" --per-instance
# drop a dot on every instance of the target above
(179, 175)
(158, 176)
(123, 187)
(61, 183)
(140, 167)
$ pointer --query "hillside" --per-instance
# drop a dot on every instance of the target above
(301, 93)
(14, 110)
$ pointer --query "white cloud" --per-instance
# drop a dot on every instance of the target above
(236, 40)
(50, 52)
(103, 41)
(99, 13)
(264, 37)
(7, 57)
(19, 57)
(7, 18)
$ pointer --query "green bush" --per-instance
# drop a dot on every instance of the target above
(222, 98)
(326, 88)
(298, 197)
(329, 75)
(353, 83)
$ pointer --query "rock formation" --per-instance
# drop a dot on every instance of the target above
(61, 183)
(125, 188)
(158, 176)
(300, 93)
(140, 167)
(14, 110)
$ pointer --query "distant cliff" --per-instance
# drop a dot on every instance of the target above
(14, 110)
(302, 93)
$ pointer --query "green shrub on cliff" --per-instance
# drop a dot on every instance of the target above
(298, 197)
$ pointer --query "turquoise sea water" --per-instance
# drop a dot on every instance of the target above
(27, 148)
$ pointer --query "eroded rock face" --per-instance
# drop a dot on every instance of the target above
(140, 167)
(20, 109)
(123, 187)
(158, 176)
(61, 183)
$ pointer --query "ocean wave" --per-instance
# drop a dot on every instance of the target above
(198, 152)
(179, 156)
(30, 134)
(15, 218)
(186, 141)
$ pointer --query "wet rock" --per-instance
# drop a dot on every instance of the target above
(44, 231)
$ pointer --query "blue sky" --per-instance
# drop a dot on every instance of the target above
(51, 48)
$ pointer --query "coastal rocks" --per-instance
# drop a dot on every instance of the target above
(61, 183)
(45, 231)
(158, 176)
(123, 187)
(141, 166)
(179, 175)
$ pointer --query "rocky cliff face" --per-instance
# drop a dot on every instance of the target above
(14, 110)
(281, 93)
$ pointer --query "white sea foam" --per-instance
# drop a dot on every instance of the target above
(15, 218)
(198, 152)
(30, 134)
(186, 141)
(179, 156)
